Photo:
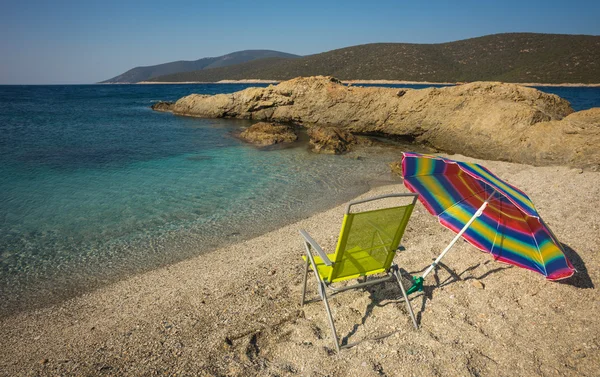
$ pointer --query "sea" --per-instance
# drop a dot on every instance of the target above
(95, 186)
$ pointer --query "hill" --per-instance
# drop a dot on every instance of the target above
(511, 57)
(144, 73)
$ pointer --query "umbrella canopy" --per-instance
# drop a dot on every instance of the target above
(489, 213)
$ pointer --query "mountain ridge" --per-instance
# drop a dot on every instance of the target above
(510, 57)
(143, 73)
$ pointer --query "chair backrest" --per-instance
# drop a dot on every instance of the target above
(368, 240)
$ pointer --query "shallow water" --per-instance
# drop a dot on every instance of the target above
(96, 186)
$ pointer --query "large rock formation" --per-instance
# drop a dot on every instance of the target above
(263, 133)
(483, 119)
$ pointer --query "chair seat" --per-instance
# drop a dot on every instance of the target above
(364, 257)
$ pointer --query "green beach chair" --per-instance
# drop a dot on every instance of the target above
(366, 246)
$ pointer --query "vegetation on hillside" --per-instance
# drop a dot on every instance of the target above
(513, 57)
(144, 73)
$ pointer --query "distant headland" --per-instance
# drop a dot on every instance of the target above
(525, 58)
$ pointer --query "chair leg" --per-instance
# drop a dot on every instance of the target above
(408, 306)
(304, 284)
(329, 316)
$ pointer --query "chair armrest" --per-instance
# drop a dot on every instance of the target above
(308, 239)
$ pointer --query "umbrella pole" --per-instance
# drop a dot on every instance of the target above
(464, 229)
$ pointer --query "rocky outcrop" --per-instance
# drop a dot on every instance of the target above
(263, 133)
(575, 140)
(488, 120)
(330, 140)
(162, 106)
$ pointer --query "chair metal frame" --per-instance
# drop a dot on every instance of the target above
(392, 273)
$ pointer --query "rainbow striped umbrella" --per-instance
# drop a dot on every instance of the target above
(489, 213)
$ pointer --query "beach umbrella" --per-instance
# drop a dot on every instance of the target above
(491, 214)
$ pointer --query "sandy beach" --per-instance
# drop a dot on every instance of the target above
(235, 311)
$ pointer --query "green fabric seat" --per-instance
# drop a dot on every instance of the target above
(366, 246)
(362, 259)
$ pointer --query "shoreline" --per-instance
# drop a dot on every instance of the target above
(236, 310)
(32, 295)
(356, 82)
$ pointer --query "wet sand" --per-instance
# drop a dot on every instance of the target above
(235, 311)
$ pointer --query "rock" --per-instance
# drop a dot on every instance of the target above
(331, 140)
(573, 140)
(263, 133)
(488, 120)
(477, 284)
(162, 106)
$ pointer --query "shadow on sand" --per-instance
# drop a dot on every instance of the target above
(453, 277)
(377, 294)
(581, 278)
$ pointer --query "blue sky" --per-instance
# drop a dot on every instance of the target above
(53, 42)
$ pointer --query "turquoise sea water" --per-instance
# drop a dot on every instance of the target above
(95, 185)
